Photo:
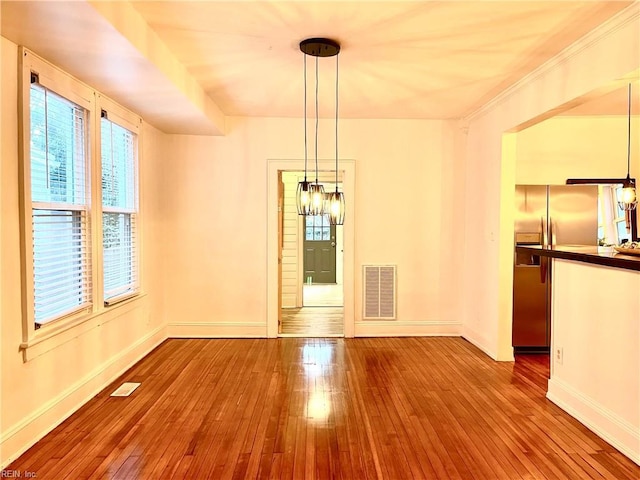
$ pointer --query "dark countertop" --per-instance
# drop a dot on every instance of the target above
(583, 253)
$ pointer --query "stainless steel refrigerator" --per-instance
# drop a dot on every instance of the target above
(546, 215)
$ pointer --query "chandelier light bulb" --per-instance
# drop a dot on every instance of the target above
(304, 197)
(628, 195)
(317, 200)
(335, 208)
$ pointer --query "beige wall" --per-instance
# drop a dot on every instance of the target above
(406, 214)
(576, 147)
(490, 177)
(38, 394)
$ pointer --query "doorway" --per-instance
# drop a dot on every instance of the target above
(277, 266)
(311, 287)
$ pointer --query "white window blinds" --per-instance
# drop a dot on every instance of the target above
(59, 202)
(119, 210)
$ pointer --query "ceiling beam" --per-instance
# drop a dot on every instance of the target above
(110, 47)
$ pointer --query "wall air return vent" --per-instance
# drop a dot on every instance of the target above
(379, 292)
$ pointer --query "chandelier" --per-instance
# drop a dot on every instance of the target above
(310, 196)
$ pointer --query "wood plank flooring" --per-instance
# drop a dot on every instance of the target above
(313, 321)
(322, 295)
(294, 408)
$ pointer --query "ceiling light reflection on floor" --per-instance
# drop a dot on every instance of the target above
(315, 358)
(318, 406)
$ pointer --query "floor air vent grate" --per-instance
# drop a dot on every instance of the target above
(125, 389)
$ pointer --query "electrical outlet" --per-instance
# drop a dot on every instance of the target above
(559, 355)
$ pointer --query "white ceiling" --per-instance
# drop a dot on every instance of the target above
(399, 59)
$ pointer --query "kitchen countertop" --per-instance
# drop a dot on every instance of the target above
(584, 253)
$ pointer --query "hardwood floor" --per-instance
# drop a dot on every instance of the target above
(294, 408)
(322, 295)
(313, 321)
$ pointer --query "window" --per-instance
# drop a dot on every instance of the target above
(118, 151)
(317, 227)
(79, 203)
(613, 227)
(623, 225)
(59, 205)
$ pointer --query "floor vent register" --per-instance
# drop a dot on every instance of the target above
(125, 389)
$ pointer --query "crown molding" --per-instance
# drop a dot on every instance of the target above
(613, 24)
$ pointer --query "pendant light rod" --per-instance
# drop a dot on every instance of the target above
(629, 195)
(303, 191)
(629, 136)
(316, 120)
(305, 117)
(337, 123)
(336, 203)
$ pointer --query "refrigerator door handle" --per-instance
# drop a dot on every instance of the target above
(552, 232)
(544, 265)
(544, 261)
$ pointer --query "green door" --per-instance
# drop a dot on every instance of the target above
(319, 250)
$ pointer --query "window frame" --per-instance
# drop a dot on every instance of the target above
(36, 341)
(609, 217)
(125, 119)
(616, 192)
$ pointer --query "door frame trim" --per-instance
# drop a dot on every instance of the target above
(348, 168)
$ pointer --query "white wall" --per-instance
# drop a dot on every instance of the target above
(576, 147)
(490, 177)
(37, 395)
(217, 212)
(596, 324)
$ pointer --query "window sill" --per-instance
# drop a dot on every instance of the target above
(118, 299)
(49, 337)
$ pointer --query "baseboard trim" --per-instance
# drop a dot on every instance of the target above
(218, 330)
(374, 328)
(391, 328)
(22, 436)
(478, 341)
(600, 420)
